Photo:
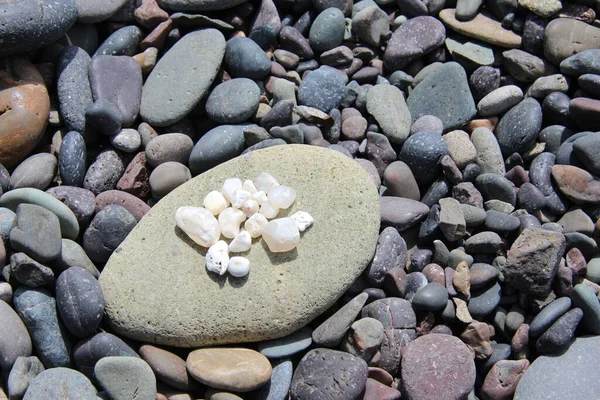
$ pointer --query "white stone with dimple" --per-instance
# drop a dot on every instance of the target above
(281, 235)
(240, 197)
(255, 224)
(199, 224)
(217, 257)
(250, 207)
(268, 210)
(215, 202)
(282, 196)
(229, 187)
(265, 182)
(230, 220)
(241, 242)
(248, 186)
(239, 266)
(260, 197)
(303, 220)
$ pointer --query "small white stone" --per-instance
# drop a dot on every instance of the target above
(303, 220)
(199, 224)
(265, 182)
(240, 197)
(260, 197)
(281, 235)
(241, 242)
(239, 266)
(250, 207)
(229, 187)
(282, 196)
(230, 220)
(269, 210)
(255, 224)
(248, 186)
(217, 257)
(215, 202)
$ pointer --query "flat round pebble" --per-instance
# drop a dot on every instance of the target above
(72, 384)
(322, 89)
(233, 101)
(286, 346)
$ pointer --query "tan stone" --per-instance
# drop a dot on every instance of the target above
(577, 184)
(234, 369)
(483, 28)
(462, 311)
(565, 37)
(167, 366)
(461, 280)
(543, 8)
(156, 286)
(24, 110)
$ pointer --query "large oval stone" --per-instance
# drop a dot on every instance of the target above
(182, 77)
(156, 286)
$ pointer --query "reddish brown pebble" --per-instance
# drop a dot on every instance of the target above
(135, 178)
(135, 206)
(378, 391)
(501, 382)
(477, 335)
(577, 184)
(381, 375)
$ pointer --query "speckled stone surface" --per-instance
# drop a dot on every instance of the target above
(157, 288)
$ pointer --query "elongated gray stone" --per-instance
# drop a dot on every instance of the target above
(182, 77)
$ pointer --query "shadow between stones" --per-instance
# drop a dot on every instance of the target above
(279, 258)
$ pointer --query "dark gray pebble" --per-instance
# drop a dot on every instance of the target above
(233, 101)
(87, 352)
(432, 297)
(327, 30)
(104, 173)
(216, 146)
(484, 301)
(107, 230)
(322, 89)
(123, 41)
(73, 87)
(71, 159)
(415, 281)
(29, 272)
(79, 200)
(421, 152)
(519, 127)
(497, 221)
(245, 59)
(560, 335)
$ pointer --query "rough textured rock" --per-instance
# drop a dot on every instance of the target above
(199, 320)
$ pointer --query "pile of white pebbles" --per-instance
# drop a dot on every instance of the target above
(253, 203)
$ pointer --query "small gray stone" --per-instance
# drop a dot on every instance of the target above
(89, 351)
(91, 12)
(245, 59)
(484, 301)
(500, 100)
(584, 62)
(73, 255)
(36, 232)
(14, 338)
(122, 42)
(364, 338)
(29, 272)
(166, 177)
(584, 298)
(386, 104)
(421, 152)
(104, 173)
(452, 221)
(327, 30)
(36, 171)
(390, 252)
(489, 156)
(126, 140)
(106, 232)
(400, 181)
(71, 159)
(401, 213)
(287, 345)
(279, 385)
(496, 187)
(331, 332)
(217, 146)
(432, 297)
(72, 384)
(79, 200)
(497, 221)
(519, 127)
(22, 373)
(233, 101)
(73, 87)
(322, 89)
(124, 378)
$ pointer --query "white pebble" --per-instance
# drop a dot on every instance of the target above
(260, 197)
(255, 224)
(239, 266)
(248, 186)
(230, 220)
(250, 207)
(241, 242)
(281, 235)
(265, 182)
(215, 202)
(282, 196)
(229, 187)
(217, 257)
(240, 198)
(269, 210)
(303, 220)
(199, 224)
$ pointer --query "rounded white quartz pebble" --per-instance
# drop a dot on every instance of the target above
(239, 266)
(241, 242)
(282, 196)
(265, 182)
(229, 187)
(303, 220)
(255, 224)
(250, 207)
(230, 220)
(240, 198)
(199, 224)
(215, 202)
(260, 197)
(248, 186)
(281, 235)
(217, 257)
(268, 210)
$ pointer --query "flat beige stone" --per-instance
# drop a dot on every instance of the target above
(156, 286)
(483, 28)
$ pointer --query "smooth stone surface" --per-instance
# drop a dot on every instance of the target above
(71, 159)
(36, 232)
(15, 341)
(327, 30)
(391, 252)
(29, 25)
(79, 200)
(584, 62)
(91, 12)
(499, 100)
(199, 5)
(132, 266)
(483, 28)
(484, 301)
(245, 59)
(60, 383)
(489, 156)
(217, 146)
(169, 147)
(123, 41)
(576, 184)
(232, 369)
(37, 309)
(166, 177)
(79, 301)
(437, 366)
(402, 213)
(519, 127)
(73, 255)
(167, 366)
(560, 334)
(68, 222)
(547, 376)
(580, 36)
(29, 272)
(432, 297)
(233, 101)
(73, 87)
(36, 171)
(107, 230)
(331, 332)
(386, 104)
(329, 374)
(124, 378)
(118, 79)
(91, 350)
(584, 298)
(444, 93)
(286, 346)
(322, 89)
(279, 385)
(23, 372)
(182, 77)
(137, 207)
(421, 152)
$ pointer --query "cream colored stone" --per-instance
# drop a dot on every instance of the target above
(265, 182)
(230, 220)
(199, 224)
(269, 210)
(281, 235)
(255, 225)
(241, 242)
(215, 202)
(239, 266)
(281, 196)
(230, 186)
(303, 220)
(217, 257)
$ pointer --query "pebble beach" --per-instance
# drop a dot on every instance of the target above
(441, 159)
